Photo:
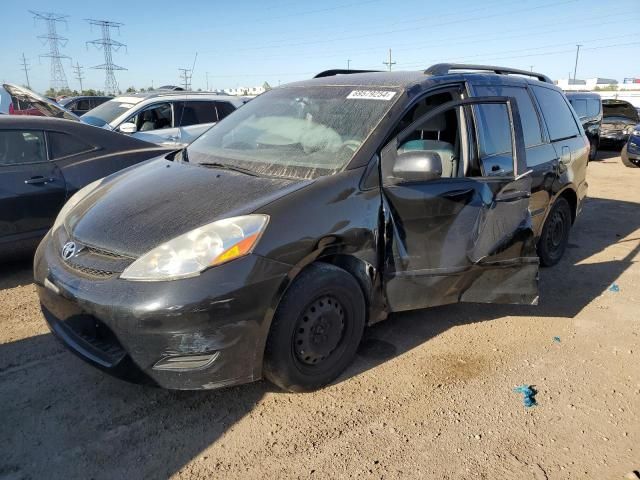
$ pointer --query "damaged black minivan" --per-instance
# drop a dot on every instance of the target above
(265, 247)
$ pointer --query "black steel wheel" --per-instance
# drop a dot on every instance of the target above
(316, 330)
(555, 233)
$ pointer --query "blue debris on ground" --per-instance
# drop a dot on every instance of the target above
(556, 339)
(528, 393)
(614, 288)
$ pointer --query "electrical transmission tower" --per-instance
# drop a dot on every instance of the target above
(25, 67)
(185, 75)
(78, 71)
(58, 78)
(108, 45)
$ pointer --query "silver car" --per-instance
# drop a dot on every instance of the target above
(163, 117)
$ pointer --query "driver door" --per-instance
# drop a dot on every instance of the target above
(466, 236)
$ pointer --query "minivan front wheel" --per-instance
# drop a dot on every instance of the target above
(316, 330)
(593, 149)
(555, 233)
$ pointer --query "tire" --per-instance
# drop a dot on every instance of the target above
(316, 329)
(593, 149)
(555, 233)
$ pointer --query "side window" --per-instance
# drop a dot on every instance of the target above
(83, 105)
(193, 113)
(556, 113)
(495, 142)
(580, 106)
(224, 109)
(153, 117)
(17, 147)
(64, 145)
(528, 115)
(593, 107)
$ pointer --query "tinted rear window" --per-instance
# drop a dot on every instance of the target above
(556, 113)
(63, 145)
(194, 113)
(593, 107)
(580, 106)
(528, 115)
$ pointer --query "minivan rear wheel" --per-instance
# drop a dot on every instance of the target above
(316, 330)
(555, 233)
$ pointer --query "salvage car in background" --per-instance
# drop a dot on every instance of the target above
(619, 119)
(267, 245)
(631, 151)
(165, 117)
(81, 105)
(588, 106)
(43, 162)
(16, 100)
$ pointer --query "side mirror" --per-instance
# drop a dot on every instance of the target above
(417, 166)
(128, 128)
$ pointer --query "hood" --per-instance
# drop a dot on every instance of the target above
(619, 108)
(137, 210)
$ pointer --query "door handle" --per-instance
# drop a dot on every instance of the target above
(38, 180)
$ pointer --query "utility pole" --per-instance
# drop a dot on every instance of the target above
(25, 67)
(389, 63)
(58, 79)
(107, 45)
(207, 76)
(78, 71)
(575, 68)
(185, 75)
(531, 67)
(348, 65)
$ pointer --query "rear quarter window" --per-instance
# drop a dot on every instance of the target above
(556, 113)
(64, 145)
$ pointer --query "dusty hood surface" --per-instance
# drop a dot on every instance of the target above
(141, 208)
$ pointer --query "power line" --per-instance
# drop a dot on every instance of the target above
(25, 67)
(108, 45)
(78, 71)
(58, 79)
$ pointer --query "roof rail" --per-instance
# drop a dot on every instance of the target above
(444, 68)
(331, 73)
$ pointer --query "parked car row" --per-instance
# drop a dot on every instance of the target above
(264, 247)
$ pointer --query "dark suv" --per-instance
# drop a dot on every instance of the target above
(588, 106)
(265, 246)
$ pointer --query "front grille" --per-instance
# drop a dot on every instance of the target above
(91, 272)
(105, 253)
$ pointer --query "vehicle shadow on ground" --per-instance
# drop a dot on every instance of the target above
(607, 153)
(62, 418)
(21, 272)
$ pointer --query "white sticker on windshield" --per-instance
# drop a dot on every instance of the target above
(371, 95)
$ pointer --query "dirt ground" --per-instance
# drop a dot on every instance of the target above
(430, 395)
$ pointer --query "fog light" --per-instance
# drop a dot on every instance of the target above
(186, 362)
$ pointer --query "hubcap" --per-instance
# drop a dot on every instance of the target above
(319, 330)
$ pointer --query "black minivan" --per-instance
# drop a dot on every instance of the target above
(266, 246)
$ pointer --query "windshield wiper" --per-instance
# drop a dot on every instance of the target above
(226, 166)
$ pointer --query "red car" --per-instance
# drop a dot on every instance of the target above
(16, 100)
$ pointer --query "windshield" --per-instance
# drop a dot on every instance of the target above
(109, 111)
(295, 132)
(26, 102)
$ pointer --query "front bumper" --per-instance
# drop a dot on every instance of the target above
(613, 138)
(129, 329)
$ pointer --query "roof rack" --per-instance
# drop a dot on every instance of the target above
(331, 73)
(444, 68)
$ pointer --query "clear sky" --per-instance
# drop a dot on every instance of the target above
(248, 42)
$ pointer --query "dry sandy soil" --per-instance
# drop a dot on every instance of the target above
(430, 395)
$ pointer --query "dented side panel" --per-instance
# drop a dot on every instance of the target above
(460, 240)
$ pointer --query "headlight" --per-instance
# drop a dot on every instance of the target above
(72, 202)
(207, 246)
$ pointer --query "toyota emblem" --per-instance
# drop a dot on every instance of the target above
(69, 250)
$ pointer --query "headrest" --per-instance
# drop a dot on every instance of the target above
(434, 124)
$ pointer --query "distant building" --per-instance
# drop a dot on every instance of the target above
(245, 91)
(588, 84)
